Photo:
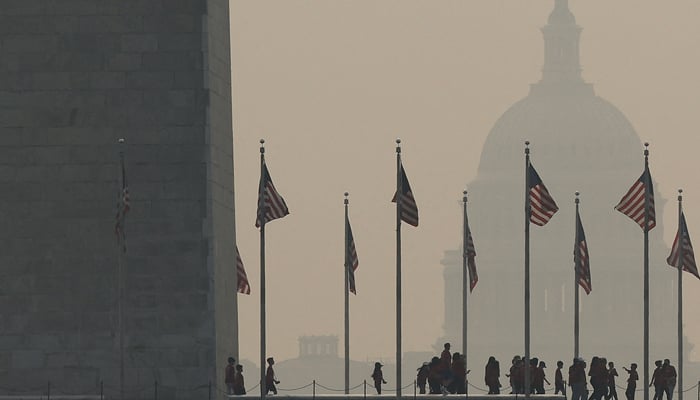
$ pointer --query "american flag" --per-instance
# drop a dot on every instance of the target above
(542, 205)
(470, 252)
(243, 285)
(582, 265)
(408, 209)
(682, 242)
(270, 204)
(351, 256)
(123, 207)
(632, 203)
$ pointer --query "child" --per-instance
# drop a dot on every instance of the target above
(631, 381)
(378, 377)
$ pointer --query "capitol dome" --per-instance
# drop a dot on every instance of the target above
(578, 127)
(562, 117)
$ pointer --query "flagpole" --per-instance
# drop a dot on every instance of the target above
(399, 191)
(527, 270)
(681, 239)
(646, 276)
(464, 288)
(263, 388)
(577, 261)
(347, 300)
(120, 278)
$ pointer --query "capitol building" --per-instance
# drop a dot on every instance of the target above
(579, 142)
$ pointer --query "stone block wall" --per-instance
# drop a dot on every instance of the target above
(76, 75)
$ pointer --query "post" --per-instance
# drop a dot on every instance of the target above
(155, 390)
(527, 270)
(681, 246)
(646, 276)
(465, 245)
(209, 391)
(577, 260)
(347, 300)
(48, 390)
(364, 391)
(102, 390)
(313, 388)
(263, 388)
(399, 191)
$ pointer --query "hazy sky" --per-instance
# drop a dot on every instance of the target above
(330, 84)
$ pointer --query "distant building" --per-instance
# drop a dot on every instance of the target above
(579, 142)
(318, 346)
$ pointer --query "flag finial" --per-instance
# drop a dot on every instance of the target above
(464, 198)
(527, 147)
(577, 199)
(346, 198)
(398, 145)
(646, 148)
(262, 146)
(680, 195)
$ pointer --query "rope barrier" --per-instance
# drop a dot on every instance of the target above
(691, 388)
(96, 391)
(330, 389)
(295, 389)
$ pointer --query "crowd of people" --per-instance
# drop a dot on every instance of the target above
(601, 375)
(447, 374)
(444, 374)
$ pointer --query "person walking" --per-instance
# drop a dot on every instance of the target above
(669, 374)
(631, 381)
(230, 374)
(658, 380)
(446, 368)
(270, 377)
(434, 376)
(612, 373)
(459, 375)
(559, 384)
(539, 378)
(577, 379)
(422, 377)
(378, 377)
(239, 382)
(599, 378)
(492, 375)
